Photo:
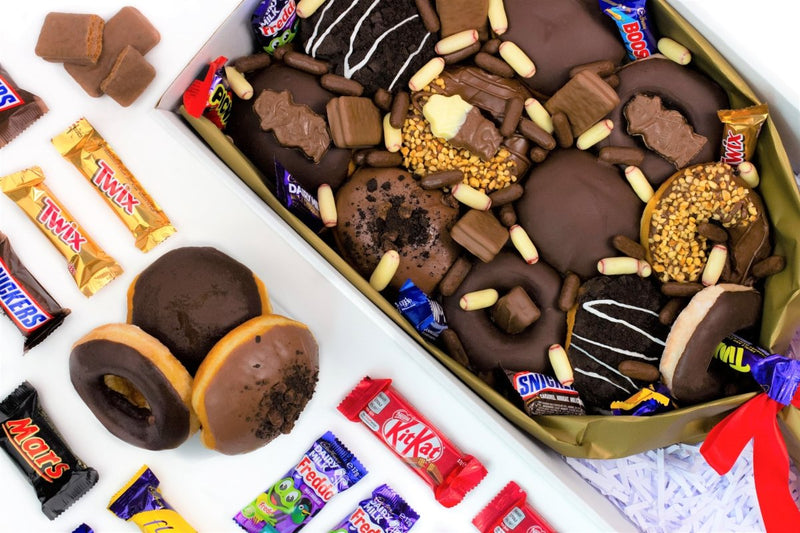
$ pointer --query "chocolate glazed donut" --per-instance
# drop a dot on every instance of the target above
(487, 345)
(694, 95)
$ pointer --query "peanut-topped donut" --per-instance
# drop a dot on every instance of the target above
(486, 344)
(695, 195)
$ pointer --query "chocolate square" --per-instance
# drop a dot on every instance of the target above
(480, 233)
(354, 122)
(515, 311)
(71, 38)
(585, 99)
(129, 77)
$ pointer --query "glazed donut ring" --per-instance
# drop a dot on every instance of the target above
(134, 386)
(254, 383)
(712, 314)
(694, 95)
(487, 345)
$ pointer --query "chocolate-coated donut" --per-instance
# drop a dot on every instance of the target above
(487, 345)
(714, 313)
(573, 207)
(191, 297)
(385, 208)
(263, 149)
(134, 386)
(694, 95)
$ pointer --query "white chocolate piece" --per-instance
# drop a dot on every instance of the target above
(616, 266)
(457, 41)
(446, 115)
(498, 19)
(539, 115)
(327, 205)
(595, 134)
(473, 301)
(715, 264)
(523, 243)
(674, 50)
(429, 72)
(238, 83)
(471, 197)
(385, 271)
(306, 8)
(517, 59)
(748, 172)
(392, 137)
(560, 363)
(639, 183)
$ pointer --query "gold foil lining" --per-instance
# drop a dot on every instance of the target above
(89, 265)
(85, 148)
(742, 127)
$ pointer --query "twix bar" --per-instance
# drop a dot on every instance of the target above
(85, 148)
(89, 265)
(742, 127)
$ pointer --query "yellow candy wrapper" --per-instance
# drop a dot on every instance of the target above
(89, 265)
(742, 127)
(85, 148)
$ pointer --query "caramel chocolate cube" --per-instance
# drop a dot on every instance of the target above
(129, 77)
(354, 122)
(127, 27)
(480, 233)
(584, 99)
(515, 311)
(459, 15)
(71, 38)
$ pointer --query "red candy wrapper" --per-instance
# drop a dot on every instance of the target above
(510, 511)
(450, 473)
(209, 95)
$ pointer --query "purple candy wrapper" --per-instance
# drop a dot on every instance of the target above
(636, 31)
(275, 23)
(83, 528)
(646, 402)
(426, 315)
(324, 471)
(299, 201)
(384, 512)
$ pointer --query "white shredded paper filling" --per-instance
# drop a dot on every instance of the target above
(672, 490)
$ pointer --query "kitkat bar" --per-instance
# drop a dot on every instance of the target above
(450, 473)
(510, 511)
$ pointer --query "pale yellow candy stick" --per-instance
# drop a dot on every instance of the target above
(429, 72)
(674, 50)
(498, 19)
(306, 8)
(714, 265)
(616, 266)
(327, 205)
(639, 183)
(748, 172)
(523, 243)
(560, 363)
(594, 135)
(385, 271)
(517, 59)
(473, 301)
(471, 197)
(539, 114)
(457, 41)
(238, 83)
(392, 137)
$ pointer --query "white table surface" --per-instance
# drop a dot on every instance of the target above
(206, 207)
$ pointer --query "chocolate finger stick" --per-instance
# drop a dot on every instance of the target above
(89, 265)
(85, 148)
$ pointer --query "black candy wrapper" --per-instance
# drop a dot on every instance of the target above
(34, 444)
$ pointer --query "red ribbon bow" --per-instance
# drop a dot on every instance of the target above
(757, 420)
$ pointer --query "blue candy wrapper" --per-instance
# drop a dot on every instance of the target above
(83, 528)
(384, 512)
(631, 19)
(647, 402)
(426, 315)
(299, 201)
(324, 471)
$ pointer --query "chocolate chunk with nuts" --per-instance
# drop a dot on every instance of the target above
(664, 131)
(480, 233)
(294, 125)
(354, 122)
(584, 99)
(515, 311)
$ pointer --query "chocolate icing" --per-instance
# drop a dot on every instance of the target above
(385, 208)
(692, 94)
(487, 345)
(558, 36)
(164, 425)
(616, 320)
(190, 298)
(295, 126)
(263, 149)
(261, 387)
(572, 208)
